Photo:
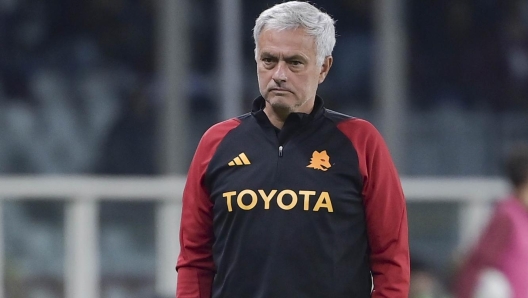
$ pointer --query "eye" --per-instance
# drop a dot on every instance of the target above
(295, 62)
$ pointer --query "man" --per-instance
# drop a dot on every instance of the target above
(498, 264)
(293, 200)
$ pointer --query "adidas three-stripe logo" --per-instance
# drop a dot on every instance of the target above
(240, 160)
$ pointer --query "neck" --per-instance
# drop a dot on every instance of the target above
(276, 117)
(277, 114)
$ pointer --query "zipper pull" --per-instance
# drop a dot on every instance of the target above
(280, 151)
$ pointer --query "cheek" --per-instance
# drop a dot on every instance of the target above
(315, 80)
(263, 77)
(260, 79)
(307, 82)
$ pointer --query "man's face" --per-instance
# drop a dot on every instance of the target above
(287, 70)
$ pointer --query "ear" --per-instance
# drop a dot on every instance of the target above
(325, 68)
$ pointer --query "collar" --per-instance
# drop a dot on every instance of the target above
(302, 118)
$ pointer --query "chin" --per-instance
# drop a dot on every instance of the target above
(280, 103)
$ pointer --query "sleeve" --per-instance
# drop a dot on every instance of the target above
(494, 240)
(487, 253)
(385, 211)
(195, 263)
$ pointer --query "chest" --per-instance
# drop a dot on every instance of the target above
(310, 172)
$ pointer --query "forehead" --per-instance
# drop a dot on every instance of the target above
(286, 41)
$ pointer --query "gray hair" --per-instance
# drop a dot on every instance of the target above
(295, 14)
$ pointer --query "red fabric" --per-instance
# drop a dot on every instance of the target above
(487, 255)
(385, 210)
(195, 263)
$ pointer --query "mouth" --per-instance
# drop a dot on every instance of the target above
(279, 90)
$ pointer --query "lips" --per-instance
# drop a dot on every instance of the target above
(279, 90)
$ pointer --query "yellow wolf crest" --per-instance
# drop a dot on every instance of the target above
(320, 161)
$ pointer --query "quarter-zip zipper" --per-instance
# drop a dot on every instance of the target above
(280, 151)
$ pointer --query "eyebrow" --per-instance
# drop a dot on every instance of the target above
(286, 58)
(266, 54)
(295, 57)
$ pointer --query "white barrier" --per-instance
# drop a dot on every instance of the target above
(82, 194)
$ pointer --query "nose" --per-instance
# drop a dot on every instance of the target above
(280, 73)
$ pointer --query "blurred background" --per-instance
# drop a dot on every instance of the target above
(127, 87)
